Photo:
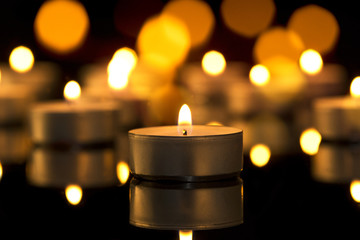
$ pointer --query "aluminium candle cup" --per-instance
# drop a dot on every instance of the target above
(336, 163)
(207, 153)
(337, 118)
(73, 123)
(58, 168)
(185, 206)
(15, 145)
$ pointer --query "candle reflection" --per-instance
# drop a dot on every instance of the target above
(73, 194)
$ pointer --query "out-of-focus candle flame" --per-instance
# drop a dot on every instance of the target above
(185, 120)
(259, 75)
(73, 194)
(213, 63)
(72, 90)
(355, 190)
(355, 87)
(185, 235)
(310, 140)
(120, 67)
(260, 155)
(1, 171)
(311, 61)
(122, 172)
(21, 59)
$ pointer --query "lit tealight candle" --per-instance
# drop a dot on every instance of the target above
(73, 121)
(337, 118)
(186, 152)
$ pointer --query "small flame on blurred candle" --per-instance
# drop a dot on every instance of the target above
(310, 140)
(259, 75)
(120, 67)
(1, 171)
(185, 235)
(185, 120)
(73, 194)
(122, 172)
(72, 91)
(355, 87)
(355, 190)
(311, 61)
(213, 63)
(260, 155)
(21, 59)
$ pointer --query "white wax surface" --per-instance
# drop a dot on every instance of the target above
(342, 102)
(73, 107)
(197, 131)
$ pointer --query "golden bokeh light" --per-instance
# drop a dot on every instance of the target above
(122, 172)
(355, 190)
(355, 87)
(72, 90)
(247, 18)
(310, 140)
(163, 37)
(197, 16)
(185, 235)
(260, 155)
(73, 194)
(21, 59)
(120, 66)
(213, 63)
(317, 27)
(259, 75)
(311, 61)
(61, 26)
(278, 41)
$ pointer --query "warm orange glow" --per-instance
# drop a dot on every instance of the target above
(355, 87)
(278, 42)
(122, 172)
(72, 91)
(310, 140)
(73, 194)
(260, 155)
(259, 75)
(355, 190)
(185, 120)
(197, 16)
(21, 59)
(311, 61)
(247, 18)
(61, 26)
(213, 63)
(165, 38)
(316, 26)
(120, 67)
(185, 235)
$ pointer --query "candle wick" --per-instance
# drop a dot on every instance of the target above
(184, 132)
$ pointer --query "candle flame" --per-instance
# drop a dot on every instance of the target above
(21, 59)
(185, 235)
(122, 172)
(311, 61)
(260, 155)
(184, 120)
(72, 90)
(120, 67)
(355, 190)
(73, 194)
(310, 140)
(213, 63)
(1, 170)
(259, 75)
(355, 87)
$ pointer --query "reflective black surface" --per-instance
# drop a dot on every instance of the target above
(281, 199)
